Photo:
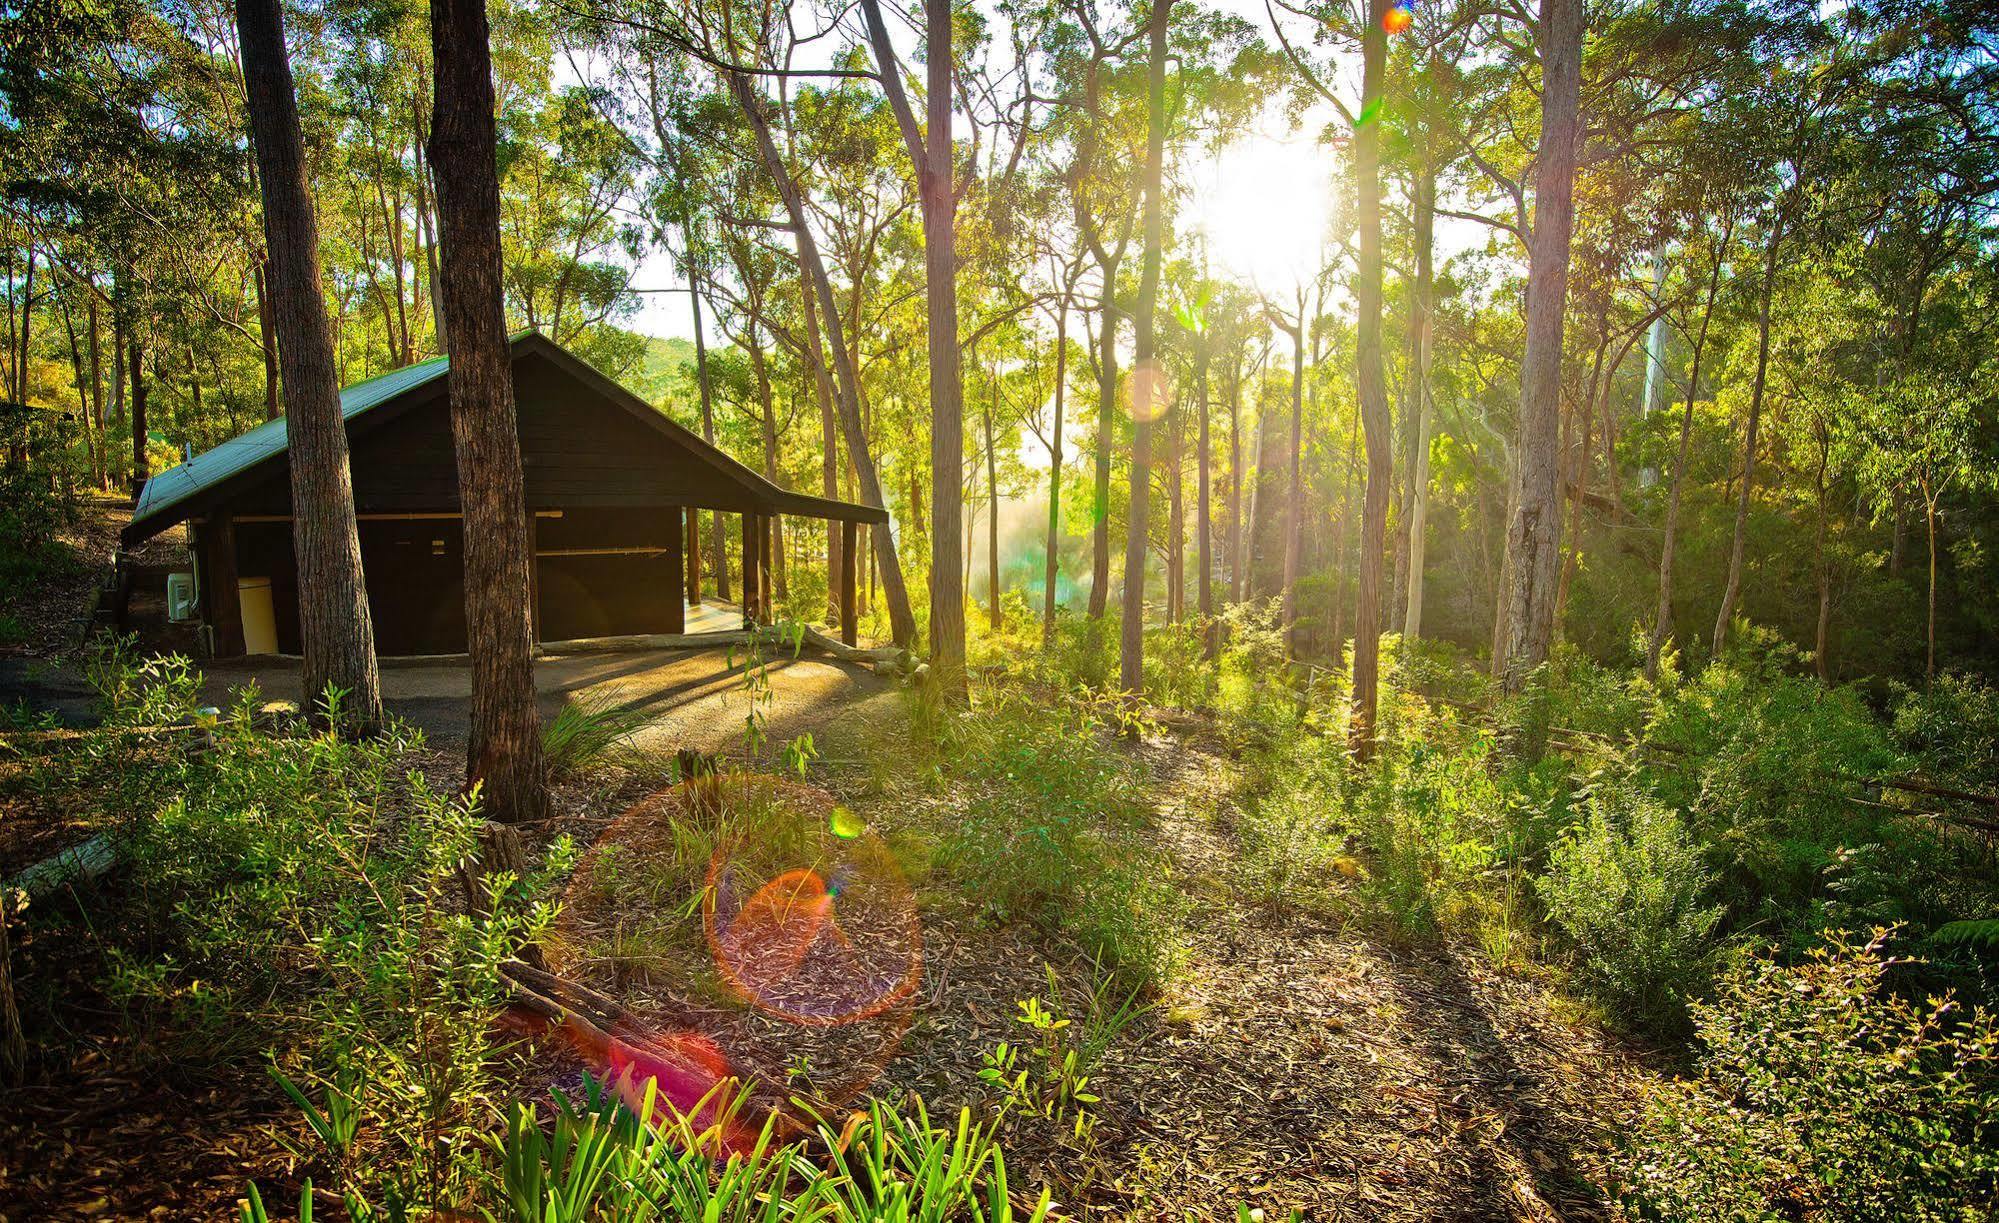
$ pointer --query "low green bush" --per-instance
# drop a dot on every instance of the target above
(1048, 827)
(296, 896)
(1627, 887)
(1824, 1094)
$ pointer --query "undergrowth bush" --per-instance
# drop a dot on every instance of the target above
(1824, 1094)
(298, 896)
(1050, 826)
(1627, 887)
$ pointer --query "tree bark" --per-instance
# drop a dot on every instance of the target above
(1534, 529)
(718, 530)
(504, 753)
(1733, 587)
(1055, 475)
(1100, 485)
(1423, 308)
(1662, 622)
(902, 620)
(829, 447)
(1295, 491)
(1822, 641)
(1373, 391)
(930, 154)
(336, 630)
(142, 469)
(1147, 374)
(1204, 593)
(992, 519)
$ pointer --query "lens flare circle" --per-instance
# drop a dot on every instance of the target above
(1398, 18)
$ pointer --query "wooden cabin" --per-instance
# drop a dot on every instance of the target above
(614, 495)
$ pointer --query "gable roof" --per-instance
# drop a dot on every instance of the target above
(180, 491)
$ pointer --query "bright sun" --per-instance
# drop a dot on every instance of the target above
(1264, 203)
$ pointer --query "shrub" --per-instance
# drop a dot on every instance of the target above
(1047, 828)
(589, 730)
(1626, 888)
(1823, 1094)
(309, 896)
(1765, 764)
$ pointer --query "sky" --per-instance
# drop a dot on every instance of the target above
(1261, 204)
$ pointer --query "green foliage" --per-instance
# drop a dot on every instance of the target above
(589, 730)
(306, 894)
(1050, 829)
(603, 1162)
(32, 518)
(1764, 764)
(1627, 888)
(1822, 1093)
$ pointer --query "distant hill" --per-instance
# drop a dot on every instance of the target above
(664, 376)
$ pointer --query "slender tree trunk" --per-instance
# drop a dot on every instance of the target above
(1232, 532)
(1147, 396)
(1662, 622)
(1373, 390)
(142, 467)
(992, 520)
(1425, 205)
(930, 154)
(1176, 520)
(505, 749)
(718, 529)
(1100, 485)
(335, 626)
(1204, 593)
(1822, 641)
(1534, 530)
(902, 620)
(1732, 590)
(101, 459)
(829, 451)
(1930, 496)
(1294, 495)
(1055, 475)
(268, 331)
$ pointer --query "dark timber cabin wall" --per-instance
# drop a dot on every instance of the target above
(610, 484)
(606, 491)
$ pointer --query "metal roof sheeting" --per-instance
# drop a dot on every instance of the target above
(237, 455)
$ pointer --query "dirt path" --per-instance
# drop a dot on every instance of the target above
(1305, 1064)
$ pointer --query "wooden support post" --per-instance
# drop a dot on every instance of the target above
(534, 577)
(773, 541)
(750, 568)
(693, 547)
(219, 585)
(849, 614)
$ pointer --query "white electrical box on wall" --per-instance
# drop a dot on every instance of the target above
(181, 606)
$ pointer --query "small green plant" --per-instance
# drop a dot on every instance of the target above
(588, 731)
(1627, 887)
(1824, 1094)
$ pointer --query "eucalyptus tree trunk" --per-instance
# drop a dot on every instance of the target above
(718, 529)
(142, 469)
(1055, 473)
(930, 155)
(1146, 375)
(335, 628)
(1100, 484)
(504, 748)
(902, 620)
(1204, 593)
(1534, 527)
(1732, 589)
(1372, 387)
(992, 519)
(829, 452)
(1662, 620)
(1423, 308)
(1295, 491)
